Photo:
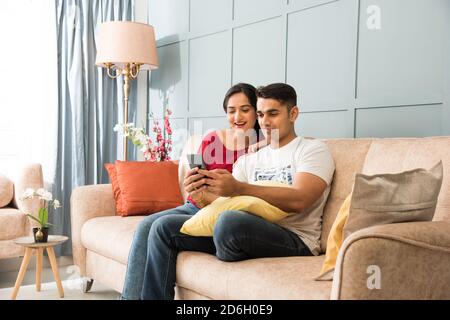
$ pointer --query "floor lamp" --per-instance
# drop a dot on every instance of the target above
(125, 48)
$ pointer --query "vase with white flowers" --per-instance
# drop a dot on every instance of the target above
(41, 233)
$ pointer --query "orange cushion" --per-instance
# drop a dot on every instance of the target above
(148, 187)
(111, 168)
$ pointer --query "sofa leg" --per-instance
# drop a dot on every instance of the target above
(87, 285)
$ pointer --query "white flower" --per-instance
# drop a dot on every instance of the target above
(47, 196)
(28, 194)
(56, 204)
(44, 194)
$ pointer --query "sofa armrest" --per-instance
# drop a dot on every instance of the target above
(395, 261)
(88, 202)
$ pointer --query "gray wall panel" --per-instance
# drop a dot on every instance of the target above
(403, 60)
(168, 85)
(209, 73)
(207, 15)
(411, 121)
(321, 54)
(204, 125)
(245, 10)
(254, 59)
(304, 4)
(324, 125)
(393, 81)
(169, 17)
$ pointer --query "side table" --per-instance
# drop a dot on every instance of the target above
(30, 245)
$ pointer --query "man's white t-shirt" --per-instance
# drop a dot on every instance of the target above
(281, 164)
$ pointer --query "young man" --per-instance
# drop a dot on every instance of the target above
(305, 164)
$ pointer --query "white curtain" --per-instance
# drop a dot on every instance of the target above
(28, 86)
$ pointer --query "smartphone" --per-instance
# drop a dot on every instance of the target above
(196, 161)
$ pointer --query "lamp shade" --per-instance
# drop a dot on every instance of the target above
(122, 42)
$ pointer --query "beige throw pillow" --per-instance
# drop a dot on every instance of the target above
(392, 198)
(6, 191)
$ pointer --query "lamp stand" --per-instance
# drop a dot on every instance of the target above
(130, 72)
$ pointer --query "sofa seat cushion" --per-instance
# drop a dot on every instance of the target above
(110, 236)
(287, 278)
(13, 224)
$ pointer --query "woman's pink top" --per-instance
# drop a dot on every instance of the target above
(216, 155)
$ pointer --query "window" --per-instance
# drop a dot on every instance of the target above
(28, 85)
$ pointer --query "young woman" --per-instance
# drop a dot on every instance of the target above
(220, 149)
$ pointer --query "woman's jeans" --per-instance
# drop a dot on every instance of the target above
(237, 236)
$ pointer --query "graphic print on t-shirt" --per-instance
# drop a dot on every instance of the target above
(279, 174)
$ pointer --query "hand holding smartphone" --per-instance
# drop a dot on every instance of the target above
(195, 161)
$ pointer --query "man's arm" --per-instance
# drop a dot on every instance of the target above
(306, 189)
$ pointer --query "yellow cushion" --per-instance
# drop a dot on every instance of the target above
(334, 241)
(203, 222)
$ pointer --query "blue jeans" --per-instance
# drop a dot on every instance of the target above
(237, 236)
(138, 258)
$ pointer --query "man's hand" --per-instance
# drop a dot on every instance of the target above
(220, 182)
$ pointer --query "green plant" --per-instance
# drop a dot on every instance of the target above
(43, 212)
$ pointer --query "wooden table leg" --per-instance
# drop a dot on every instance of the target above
(22, 271)
(54, 264)
(39, 254)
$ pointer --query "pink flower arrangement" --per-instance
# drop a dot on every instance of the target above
(154, 151)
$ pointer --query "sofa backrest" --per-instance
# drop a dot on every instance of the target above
(387, 155)
(369, 156)
(29, 177)
(349, 156)
(396, 155)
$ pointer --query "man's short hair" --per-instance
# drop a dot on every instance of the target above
(281, 92)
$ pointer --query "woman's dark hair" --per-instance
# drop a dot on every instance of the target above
(281, 92)
(250, 93)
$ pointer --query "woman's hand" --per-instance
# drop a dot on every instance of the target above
(192, 176)
(200, 196)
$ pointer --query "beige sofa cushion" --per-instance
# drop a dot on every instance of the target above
(110, 236)
(6, 191)
(13, 224)
(266, 278)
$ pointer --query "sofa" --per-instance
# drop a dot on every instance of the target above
(412, 259)
(14, 222)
